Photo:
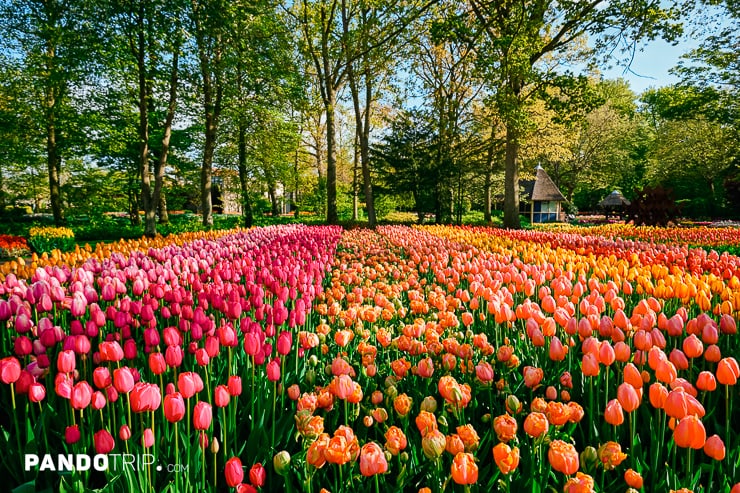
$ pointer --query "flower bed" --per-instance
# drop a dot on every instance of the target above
(403, 359)
(13, 246)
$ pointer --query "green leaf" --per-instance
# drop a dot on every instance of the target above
(29, 487)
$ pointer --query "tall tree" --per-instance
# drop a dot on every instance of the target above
(523, 33)
(52, 40)
(209, 24)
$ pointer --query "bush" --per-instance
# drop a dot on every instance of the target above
(46, 239)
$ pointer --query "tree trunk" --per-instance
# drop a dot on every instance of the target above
(489, 175)
(158, 197)
(242, 159)
(53, 159)
(144, 93)
(331, 156)
(355, 191)
(272, 192)
(511, 178)
(164, 216)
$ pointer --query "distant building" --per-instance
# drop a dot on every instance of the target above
(542, 200)
(614, 204)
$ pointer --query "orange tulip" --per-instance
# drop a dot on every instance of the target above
(633, 478)
(563, 457)
(658, 394)
(426, 422)
(728, 371)
(613, 413)
(557, 413)
(692, 346)
(628, 397)
(590, 365)
(395, 440)
(506, 458)
(315, 454)
(582, 483)
(632, 376)
(611, 455)
(715, 448)
(464, 469)
(402, 404)
(469, 437)
(533, 376)
(505, 427)
(690, 432)
(536, 424)
(454, 444)
(706, 381)
(372, 460)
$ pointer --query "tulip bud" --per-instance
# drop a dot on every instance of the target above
(281, 463)
(442, 422)
(589, 456)
(513, 405)
(214, 446)
(429, 404)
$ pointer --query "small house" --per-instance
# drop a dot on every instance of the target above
(542, 200)
(614, 204)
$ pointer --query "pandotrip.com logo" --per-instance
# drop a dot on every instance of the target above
(98, 462)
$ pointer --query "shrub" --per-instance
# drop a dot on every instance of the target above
(46, 239)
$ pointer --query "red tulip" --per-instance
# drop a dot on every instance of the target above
(81, 395)
(101, 377)
(124, 432)
(72, 434)
(174, 407)
(147, 439)
(157, 363)
(123, 380)
(202, 415)
(145, 397)
(189, 383)
(10, 370)
(66, 361)
(221, 396)
(104, 442)
(234, 472)
(257, 475)
(111, 351)
(235, 386)
(273, 370)
(36, 392)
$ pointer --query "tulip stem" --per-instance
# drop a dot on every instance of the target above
(377, 485)
(15, 418)
(223, 429)
(274, 402)
(177, 458)
(727, 421)
(215, 478)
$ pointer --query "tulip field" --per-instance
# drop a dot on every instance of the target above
(423, 359)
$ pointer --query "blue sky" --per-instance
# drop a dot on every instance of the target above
(651, 65)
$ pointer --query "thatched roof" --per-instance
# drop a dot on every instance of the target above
(541, 188)
(614, 199)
